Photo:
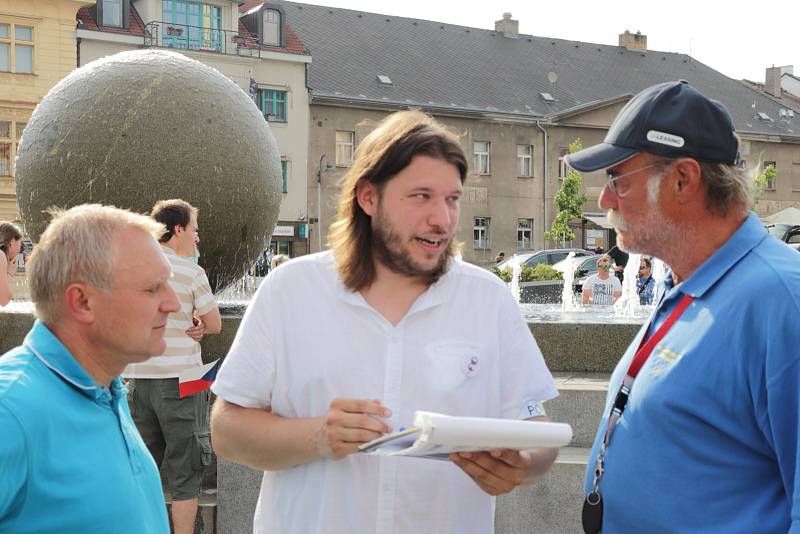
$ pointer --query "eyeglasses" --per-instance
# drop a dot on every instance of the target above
(642, 267)
(622, 189)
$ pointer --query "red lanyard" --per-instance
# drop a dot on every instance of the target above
(644, 351)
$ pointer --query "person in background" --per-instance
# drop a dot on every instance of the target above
(620, 259)
(175, 429)
(601, 288)
(277, 260)
(645, 285)
(71, 459)
(500, 257)
(10, 245)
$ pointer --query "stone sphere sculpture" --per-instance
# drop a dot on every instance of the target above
(142, 126)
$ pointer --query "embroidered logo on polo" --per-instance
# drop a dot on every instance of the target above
(664, 359)
(663, 138)
(471, 365)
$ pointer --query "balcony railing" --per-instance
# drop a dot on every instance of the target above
(186, 37)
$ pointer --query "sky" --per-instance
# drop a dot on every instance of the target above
(739, 39)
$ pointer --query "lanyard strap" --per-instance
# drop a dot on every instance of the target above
(642, 354)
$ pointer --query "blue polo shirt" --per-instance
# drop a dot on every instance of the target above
(709, 441)
(71, 459)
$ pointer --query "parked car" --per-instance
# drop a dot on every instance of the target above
(549, 256)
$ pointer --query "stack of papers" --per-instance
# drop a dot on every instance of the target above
(435, 436)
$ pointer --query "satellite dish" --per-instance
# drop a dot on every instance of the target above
(552, 76)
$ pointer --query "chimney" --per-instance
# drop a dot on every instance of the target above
(633, 41)
(508, 26)
(772, 80)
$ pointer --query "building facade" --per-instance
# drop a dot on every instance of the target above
(250, 42)
(517, 102)
(37, 49)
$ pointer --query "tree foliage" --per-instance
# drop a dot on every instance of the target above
(530, 274)
(768, 176)
(570, 200)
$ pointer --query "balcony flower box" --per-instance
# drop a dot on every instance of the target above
(174, 31)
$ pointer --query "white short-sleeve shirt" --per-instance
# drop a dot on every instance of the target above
(462, 349)
(603, 290)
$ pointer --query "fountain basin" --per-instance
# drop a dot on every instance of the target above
(589, 340)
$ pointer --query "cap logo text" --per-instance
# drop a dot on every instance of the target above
(663, 138)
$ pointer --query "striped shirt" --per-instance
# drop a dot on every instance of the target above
(190, 283)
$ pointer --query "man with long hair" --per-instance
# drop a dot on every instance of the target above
(398, 325)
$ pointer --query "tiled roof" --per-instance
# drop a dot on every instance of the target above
(87, 17)
(440, 65)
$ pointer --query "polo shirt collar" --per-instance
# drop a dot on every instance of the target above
(46, 347)
(749, 234)
(168, 251)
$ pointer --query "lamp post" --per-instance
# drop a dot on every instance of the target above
(328, 169)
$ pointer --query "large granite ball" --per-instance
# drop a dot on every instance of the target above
(146, 125)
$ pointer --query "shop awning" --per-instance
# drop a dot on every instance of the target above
(599, 220)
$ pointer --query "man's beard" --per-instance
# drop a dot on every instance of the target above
(652, 235)
(389, 250)
(652, 232)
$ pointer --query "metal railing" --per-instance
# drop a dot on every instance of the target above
(187, 37)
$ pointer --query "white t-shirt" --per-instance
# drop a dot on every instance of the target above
(305, 340)
(603, 290)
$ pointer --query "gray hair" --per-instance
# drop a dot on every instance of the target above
(78, 246)
(728, 186)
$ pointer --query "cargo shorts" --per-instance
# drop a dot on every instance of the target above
(175, 431)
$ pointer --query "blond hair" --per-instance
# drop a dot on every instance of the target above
(78, 246)
(381, 155)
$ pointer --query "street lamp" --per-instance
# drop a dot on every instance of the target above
(328, 169)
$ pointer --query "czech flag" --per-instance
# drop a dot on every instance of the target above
(196, 379)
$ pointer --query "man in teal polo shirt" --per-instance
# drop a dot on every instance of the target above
(71, 459)
(703, 435)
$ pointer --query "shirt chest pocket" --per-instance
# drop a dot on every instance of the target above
(456, 364)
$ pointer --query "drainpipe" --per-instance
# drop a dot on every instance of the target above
(544, 175)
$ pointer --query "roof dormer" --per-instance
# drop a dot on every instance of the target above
(268, 21)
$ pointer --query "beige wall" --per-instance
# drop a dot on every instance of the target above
(501, 195)
(787, 183)
(54, 56)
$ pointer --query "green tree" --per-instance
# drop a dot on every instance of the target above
(569, 201)
(760, 184)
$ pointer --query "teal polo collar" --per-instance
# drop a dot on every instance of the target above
(49, 350)
(745, 239)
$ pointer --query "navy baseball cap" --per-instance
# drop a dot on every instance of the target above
(671, 119)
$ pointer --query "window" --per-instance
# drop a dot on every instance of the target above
(770, 183)
(481, 238)
(284, 176)
(272, 27)
(481, 161)
(344, 148)
(524, 160)
(273, 104)
(562, 162)
(112, 13)
(16, 48)
(191, 25)
(5, 149)
(524, 234)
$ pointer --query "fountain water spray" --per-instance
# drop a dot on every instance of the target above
(516, 270)
(567, 296)
(628, 303)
